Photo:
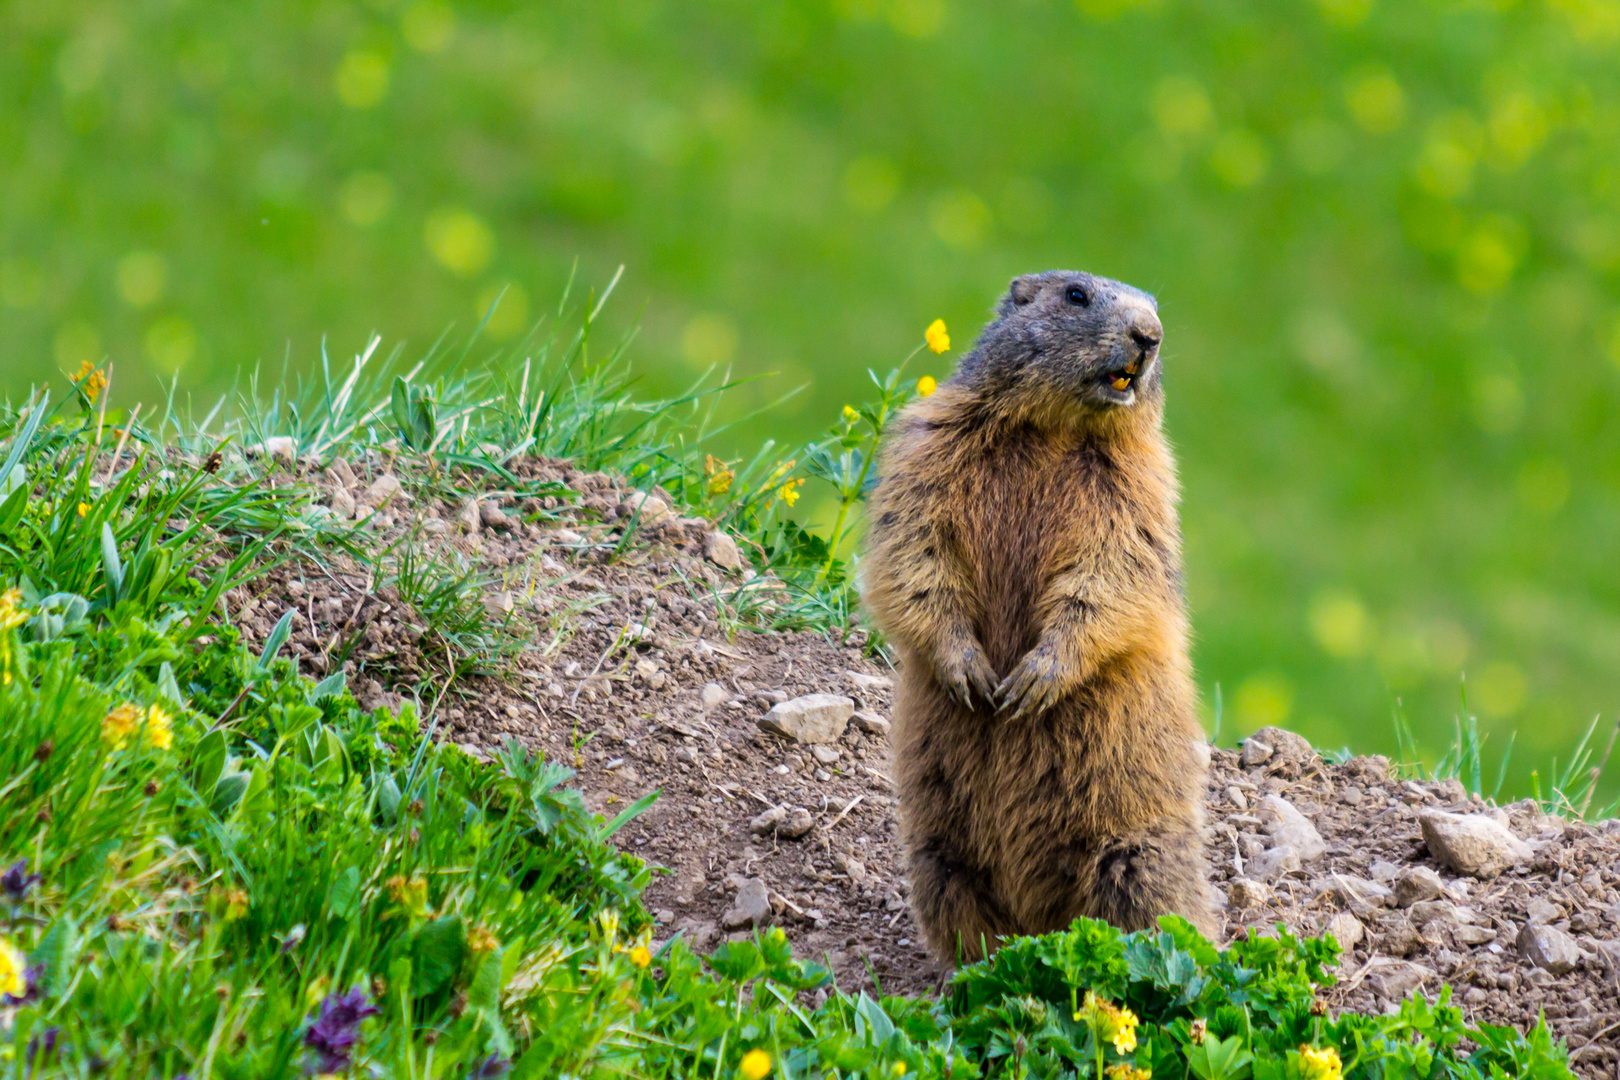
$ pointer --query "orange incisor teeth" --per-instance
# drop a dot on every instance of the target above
(1130, 368)
(1122, 384)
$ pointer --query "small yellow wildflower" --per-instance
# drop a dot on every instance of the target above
(640, 956)
(409, 894)
(159, 728)
(1322, 1064)
(84, 508)
(11, 611)
(14, 968)
(1109, 1022)
(610, 924)
(91, 381)
(119, 724)
(480, 940)
(1200, 1030)
(938, 340)
(755, 1064)
(926, 385)
(236, 904)
(898, 1068)
(850, 414)
(789, 492)
(1127, 1071)
(719, 475)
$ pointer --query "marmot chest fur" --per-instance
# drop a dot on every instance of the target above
(1024, 557)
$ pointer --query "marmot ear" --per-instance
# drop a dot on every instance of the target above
(1025, 288)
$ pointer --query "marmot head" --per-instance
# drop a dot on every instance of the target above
(1090, 339)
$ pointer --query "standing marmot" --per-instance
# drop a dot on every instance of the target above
(1025, 559)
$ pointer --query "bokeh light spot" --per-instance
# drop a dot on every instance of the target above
(142, 278)
(871, 183)
(427, 26)
(1240, 158)
(171, 343)
(961, 219)
(1498, 402)
(1375, 100)
(362, 78)
(366, 198)
(1499, 689)
(1263, 699)
(917, 18)
(20, 283)
(1181, 106)
(1345, 13)
(459, 240)
(709, 340)
(1487, 256)
(76, 343)
(1340, 623)
(510, 316)
(1543, 485)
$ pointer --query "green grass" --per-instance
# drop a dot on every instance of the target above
(242, 874)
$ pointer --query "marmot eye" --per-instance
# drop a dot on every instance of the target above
(1078, 296)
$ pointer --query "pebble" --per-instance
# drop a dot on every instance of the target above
(720, 549)
(1417, 884)
(284, 447)
(1549, 948)
(1394, 979)
(491, 516)
(1254, 753)
(651, 508)
(827, 755)
(1287, 826)
(752, 906)
(813, 718)
(1247, 893)
(765, 824)
(1471, 844)
(384, 490)
(1274, 862)
(712, 695)
(1356, 892)
(798, 823)
(1541, 910)
(864, 683)
(1235, 796)
(872, 723)
(1346, 930)
(343, 504)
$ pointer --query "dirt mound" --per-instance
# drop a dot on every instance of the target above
(634, 671)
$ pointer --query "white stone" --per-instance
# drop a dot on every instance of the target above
(712, 695)
(1357, 892)
(284, 447)
(720, 549)
(467, 516)
(798, 822)
(1346, 930)
(1417, 884)
(753, 907)
(1471, 844)
(1254, 753)
(342, 503)
(567, 536)
(864, 683)
(1541, 910)
(1286, 825)
(1274, 862)
(813, 718)
(872, 723)
(491, 516)
(384, 490)
(1245, 893)
(827, 755)
(765, 824)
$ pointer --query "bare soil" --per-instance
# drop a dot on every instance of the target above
(633, 671)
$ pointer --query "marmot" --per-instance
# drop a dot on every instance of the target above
(1024, 558)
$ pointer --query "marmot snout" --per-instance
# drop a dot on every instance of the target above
(1025, 559)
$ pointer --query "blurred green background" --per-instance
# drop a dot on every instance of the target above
(1385, 238)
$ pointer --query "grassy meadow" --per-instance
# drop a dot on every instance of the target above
(1385, 240)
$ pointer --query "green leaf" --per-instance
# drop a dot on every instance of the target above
(1219, 1059)
(57, 951)
(112, 567)
(330, 687)
(208, 763)
(11, 511)
(278, 637)
(343, 895)
(437, 949)
(877, 1020)
(628, 814)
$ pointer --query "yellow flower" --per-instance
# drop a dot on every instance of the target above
(159, 728)
(640, 956)
(898, 1068)
(13, 971)
(11, 611)
(850, 414)
(610, 924)
(480, 940)
(1317, 1064)
(119, 724)
(755, 1064)
(84, 508)
(236, 904)
(409, 894)
(789, 492)
(91, 381)
(1126, 1071)
(938, 340)
(926, 385)
(718, 474)
(1109, 1022)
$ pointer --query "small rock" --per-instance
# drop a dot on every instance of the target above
(501, 603)
(813, 718)
(1247, 893)
(752, 908)
(342, 503)
(713, 695)
(1274, 862)
(664, 915)
(855, 869)
(650, 508)
(1235, 796)
(798, 823)
(1254, 753)
(720, 549)
(1285, 743)
(1384, 870)
(823, 775)
(567, 536)
(872, 723)
(1394, 979)
(1286, 825)
(864, 683)
(1417, 884)
(827, 755)
(467, 518)
(1541, 910)
(1357, 892)
(491, 516)
(765, 824)
(340, 469)
(384, 490)
(1425, 912)
(1351, 794)
(284, 447)
(1346, 930)
(1471, 844)
(1549, 948)
(1472, 935)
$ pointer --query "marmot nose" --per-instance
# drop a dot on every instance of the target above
(1146, 330)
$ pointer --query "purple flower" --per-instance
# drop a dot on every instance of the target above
(337, 1029)
(30, 987)
(43, 1044)
(16, 881)
(494, 1065)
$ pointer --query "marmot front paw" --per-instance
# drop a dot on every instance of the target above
(965, 669)
(1032, 686)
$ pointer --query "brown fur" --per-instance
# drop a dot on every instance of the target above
(1025, 532)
